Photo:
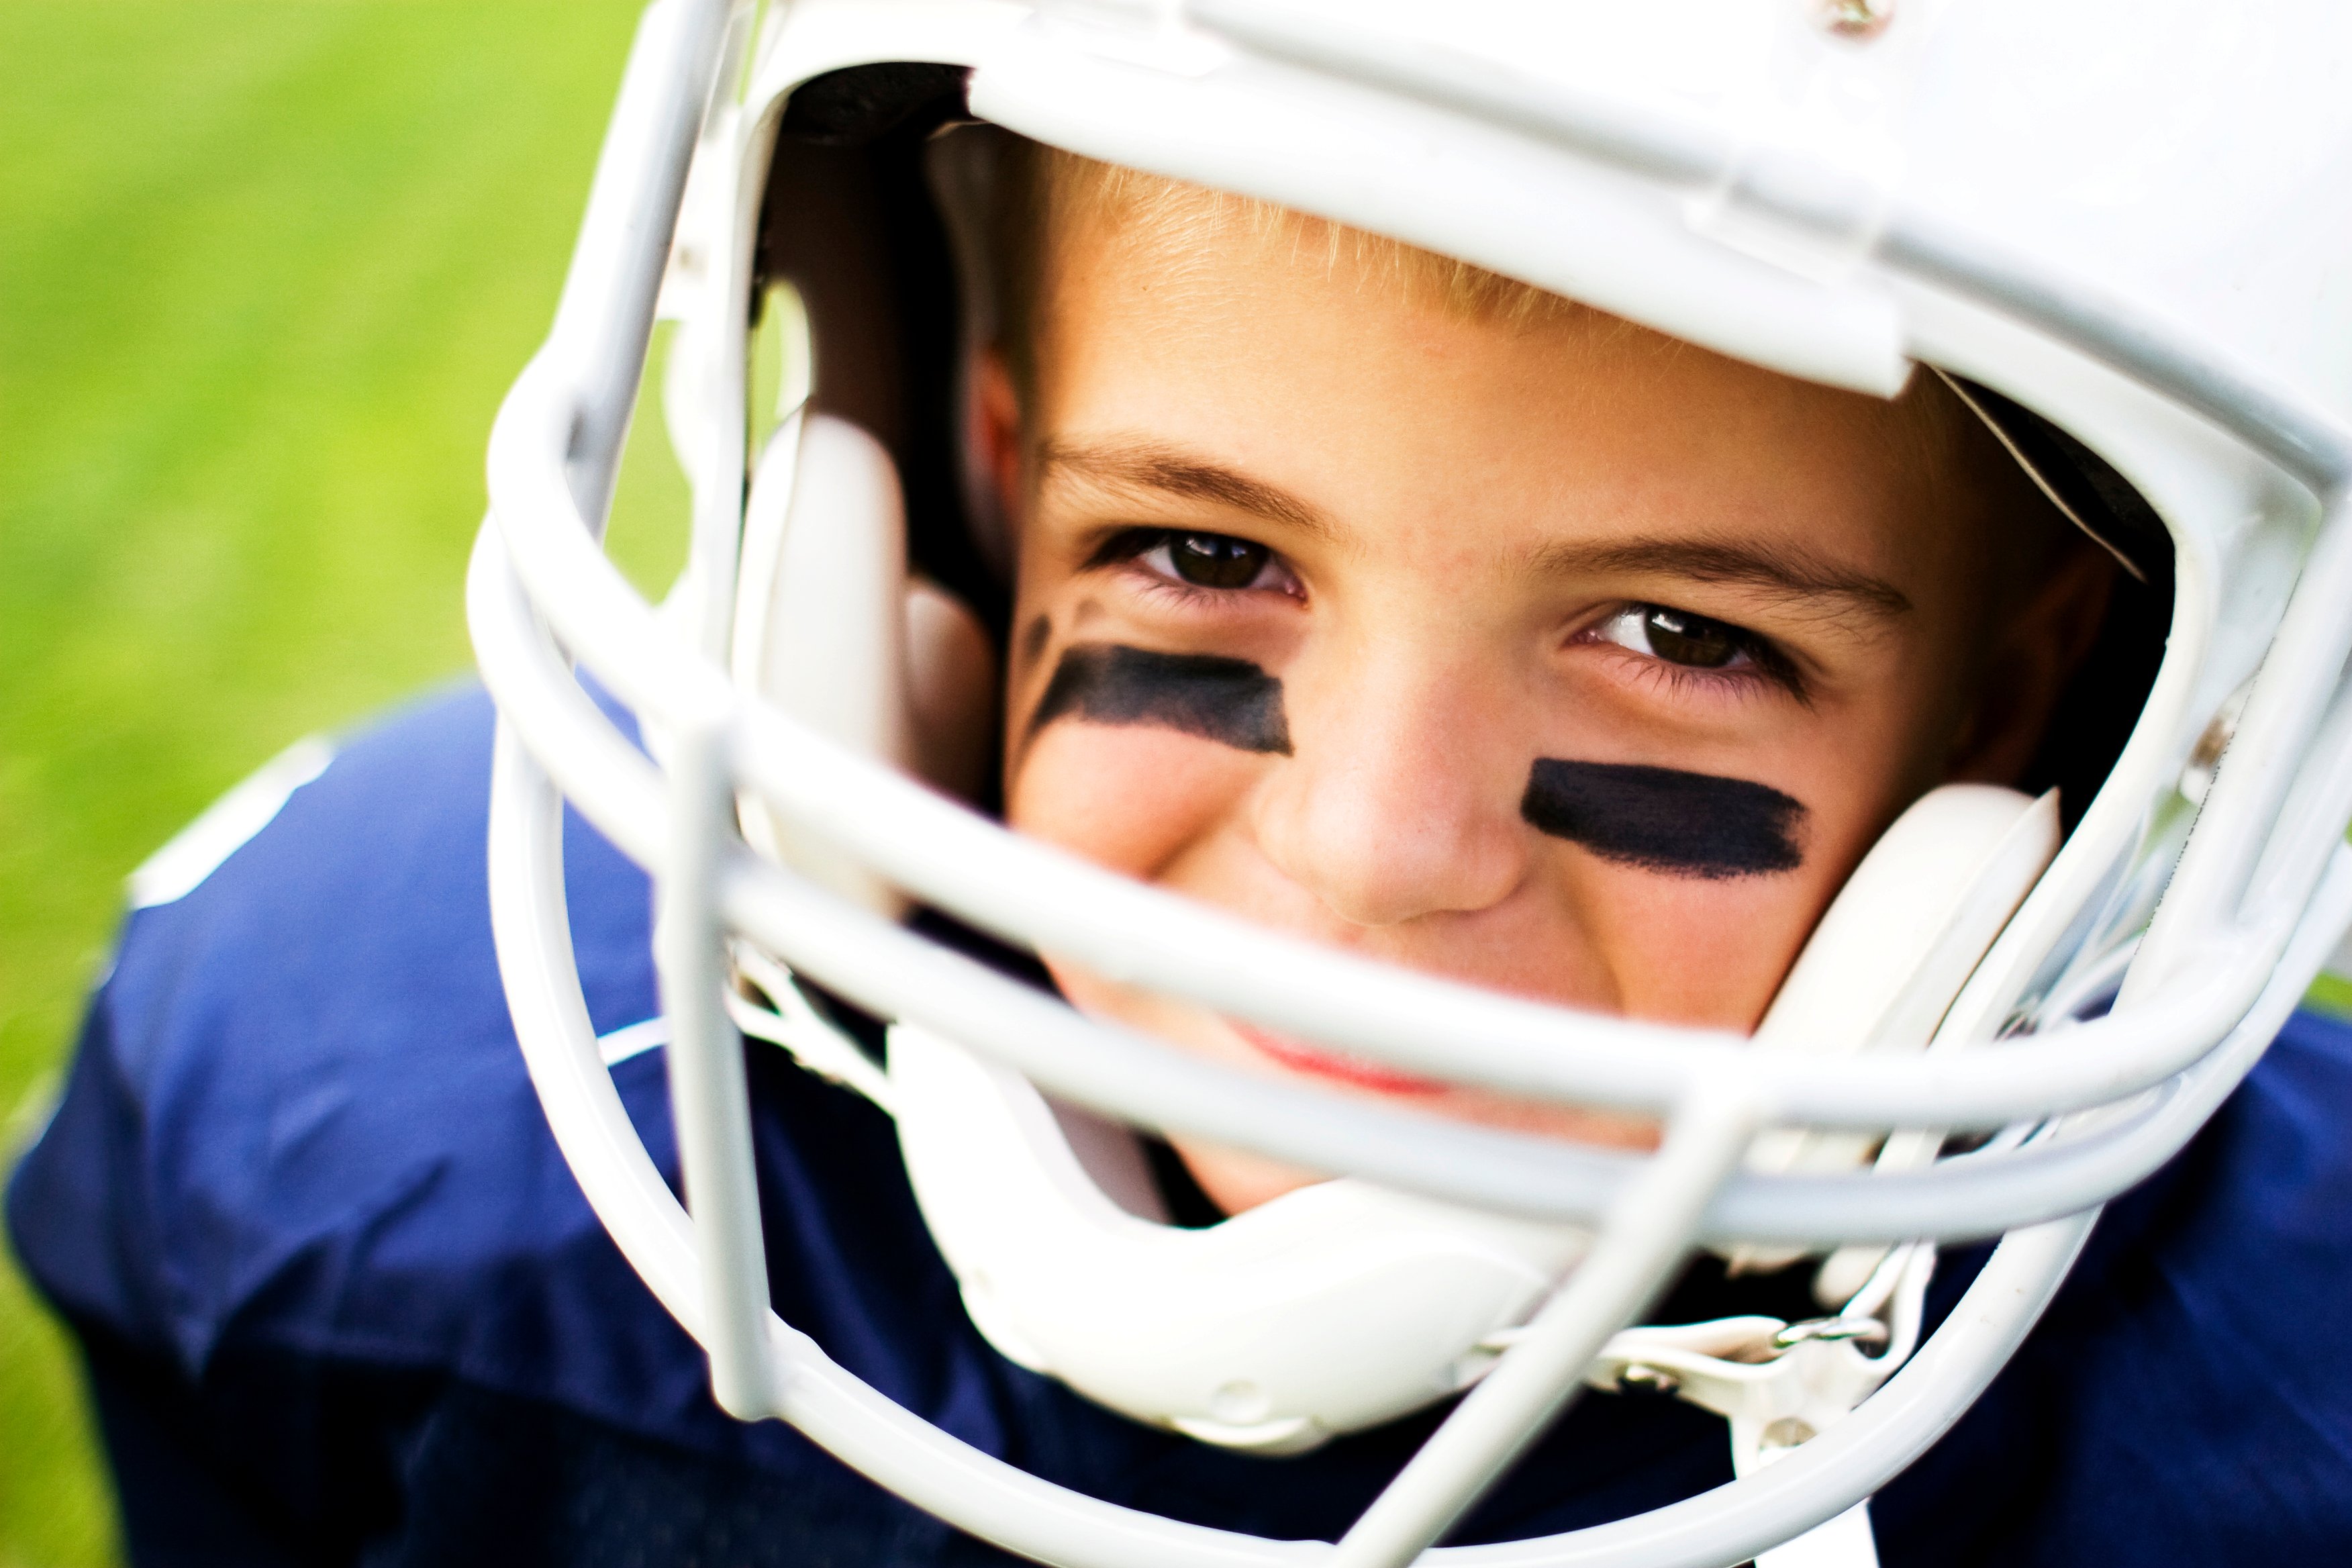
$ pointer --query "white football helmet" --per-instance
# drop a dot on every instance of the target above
(2122, 227)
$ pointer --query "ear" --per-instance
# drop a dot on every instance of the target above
(2028, 666)
(996, 434)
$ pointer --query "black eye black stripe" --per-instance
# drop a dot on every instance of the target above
(1663, 819)
(1229, 700)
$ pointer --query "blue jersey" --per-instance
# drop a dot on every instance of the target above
(341, 1301)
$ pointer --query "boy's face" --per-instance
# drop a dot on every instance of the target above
(1554, 656)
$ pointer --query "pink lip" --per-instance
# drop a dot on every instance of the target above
(1335, 1066)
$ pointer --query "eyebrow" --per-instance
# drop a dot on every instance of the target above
(1779, 569)
(1140, 464)
(1137, 464)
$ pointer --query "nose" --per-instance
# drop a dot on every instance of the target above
(1401, 799)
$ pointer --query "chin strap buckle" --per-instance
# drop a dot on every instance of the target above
(1780, 1384)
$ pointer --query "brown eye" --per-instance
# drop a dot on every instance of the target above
(1680, 637)
(1216, 560)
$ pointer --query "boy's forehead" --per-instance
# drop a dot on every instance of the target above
(1185, 235)
(1183, 277)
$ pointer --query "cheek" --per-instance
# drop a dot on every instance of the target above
(1687, 950)
(1133, 799)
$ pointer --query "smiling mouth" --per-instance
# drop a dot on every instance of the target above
(1317, 1061)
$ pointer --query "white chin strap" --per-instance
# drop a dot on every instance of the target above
(1341, 1305)
(1334, 1307)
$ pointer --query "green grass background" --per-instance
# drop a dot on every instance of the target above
(266, 269)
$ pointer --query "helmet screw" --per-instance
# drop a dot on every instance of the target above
(1855, 18)
(1638, 1378)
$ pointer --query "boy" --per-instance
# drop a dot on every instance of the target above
(1349, 582)
(1342, 462)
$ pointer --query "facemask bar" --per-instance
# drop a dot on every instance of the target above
(552, 455)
